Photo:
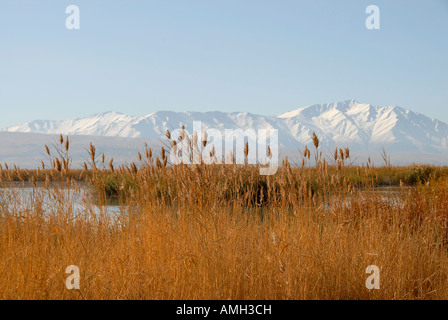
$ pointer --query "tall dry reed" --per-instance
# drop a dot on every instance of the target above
(221, 231)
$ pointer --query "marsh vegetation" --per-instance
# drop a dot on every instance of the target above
(222, 231)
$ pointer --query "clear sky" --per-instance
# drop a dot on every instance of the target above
(259, 56)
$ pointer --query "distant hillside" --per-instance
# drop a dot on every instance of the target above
(362, 127)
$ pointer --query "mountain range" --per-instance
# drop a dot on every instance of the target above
(364, 128)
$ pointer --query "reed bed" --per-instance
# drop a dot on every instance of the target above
(212, 231)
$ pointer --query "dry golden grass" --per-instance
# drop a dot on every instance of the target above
(225, 232)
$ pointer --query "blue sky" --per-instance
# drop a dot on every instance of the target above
(259, 56)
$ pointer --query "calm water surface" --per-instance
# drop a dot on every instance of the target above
(78, 198)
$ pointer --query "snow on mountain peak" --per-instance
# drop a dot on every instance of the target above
(362, 127)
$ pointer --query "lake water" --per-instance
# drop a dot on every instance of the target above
(77, 198)
(80, 200)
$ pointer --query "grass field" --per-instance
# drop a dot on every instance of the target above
(224, 231)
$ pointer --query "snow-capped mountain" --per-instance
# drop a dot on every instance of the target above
(362, 127)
